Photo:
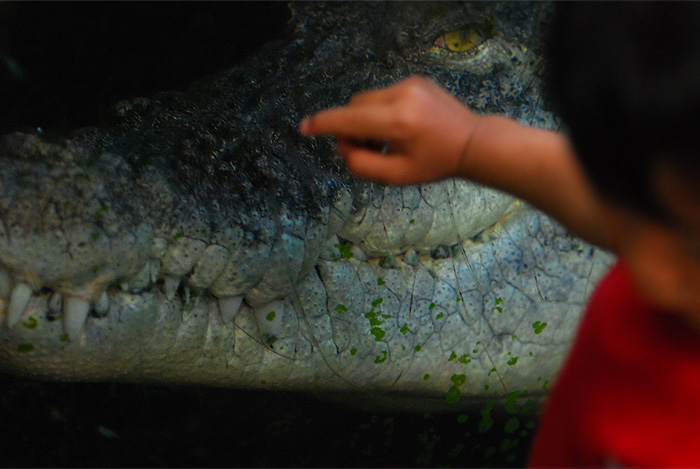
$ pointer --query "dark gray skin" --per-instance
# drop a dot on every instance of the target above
(197, 237)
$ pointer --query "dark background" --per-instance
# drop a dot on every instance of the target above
(62, 66)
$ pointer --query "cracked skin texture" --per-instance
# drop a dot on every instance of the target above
(184, 203)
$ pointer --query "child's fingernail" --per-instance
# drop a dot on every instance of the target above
(304, 126)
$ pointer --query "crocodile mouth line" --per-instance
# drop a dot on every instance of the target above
(183, 273)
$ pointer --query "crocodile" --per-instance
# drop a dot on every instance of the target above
(196, 237)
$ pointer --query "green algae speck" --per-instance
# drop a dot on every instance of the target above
(512, 425)
(380, 281)
(426, 377)
(381, 358)
(378, 333)
(453, 356)
(499, 309)
(432, 306)
(453, 395)
(271, 316)
(417, 348)
(486, 421)
(440, 316)
(539, 326)
(353, 351)
(466, 359)
(30, 323)
(377, 302)
(25, 348)
(412, 221)
(512, 361)
(94, 235)
(64, 338)
(458, 380)
(345, 250)
(404, 329)
(340, 309)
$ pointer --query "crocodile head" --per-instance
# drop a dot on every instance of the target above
(197, 237)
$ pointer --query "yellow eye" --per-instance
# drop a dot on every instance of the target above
(462, 40)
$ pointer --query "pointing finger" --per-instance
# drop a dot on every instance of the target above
(365, 122)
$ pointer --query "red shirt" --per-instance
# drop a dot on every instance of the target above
(629, 393)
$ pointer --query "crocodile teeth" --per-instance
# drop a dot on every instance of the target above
(170, 286)
(75, 311)
(102, 305)
(55, 305)
(154, 267)
(268, 317)
(19, 298)
(229, 307)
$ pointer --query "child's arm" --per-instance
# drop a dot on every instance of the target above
(433, 136)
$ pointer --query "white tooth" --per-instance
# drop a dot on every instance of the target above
(75, 310)
(170, 286)
(229, 307)
(154, 267)
(102, 304)
(19, 298)
(268, 317)
(55, 304)
(5, 283)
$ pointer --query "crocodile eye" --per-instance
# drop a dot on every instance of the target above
(461, 40)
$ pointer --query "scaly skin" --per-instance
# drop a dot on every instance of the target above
(206, 241)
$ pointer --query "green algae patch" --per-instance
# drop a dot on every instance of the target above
(432, 306)
(271, 316)
(512, 361)
(378, 333)
(381, 282)
(417, 348)
(179, 235)
(465, 359)
(426, 377)
(512, 425)
(453, 357)
(539, 326)
(454, 394)
(64, 337)
(353, 351)
(30, 323)
(486, 420)
(499, 300)
(340, 309)
(25, 348)
(381, 358)
(404, 329)
(345, 250)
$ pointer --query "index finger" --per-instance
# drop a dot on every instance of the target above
(360, 122)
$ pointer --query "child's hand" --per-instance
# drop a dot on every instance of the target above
(428, 131)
